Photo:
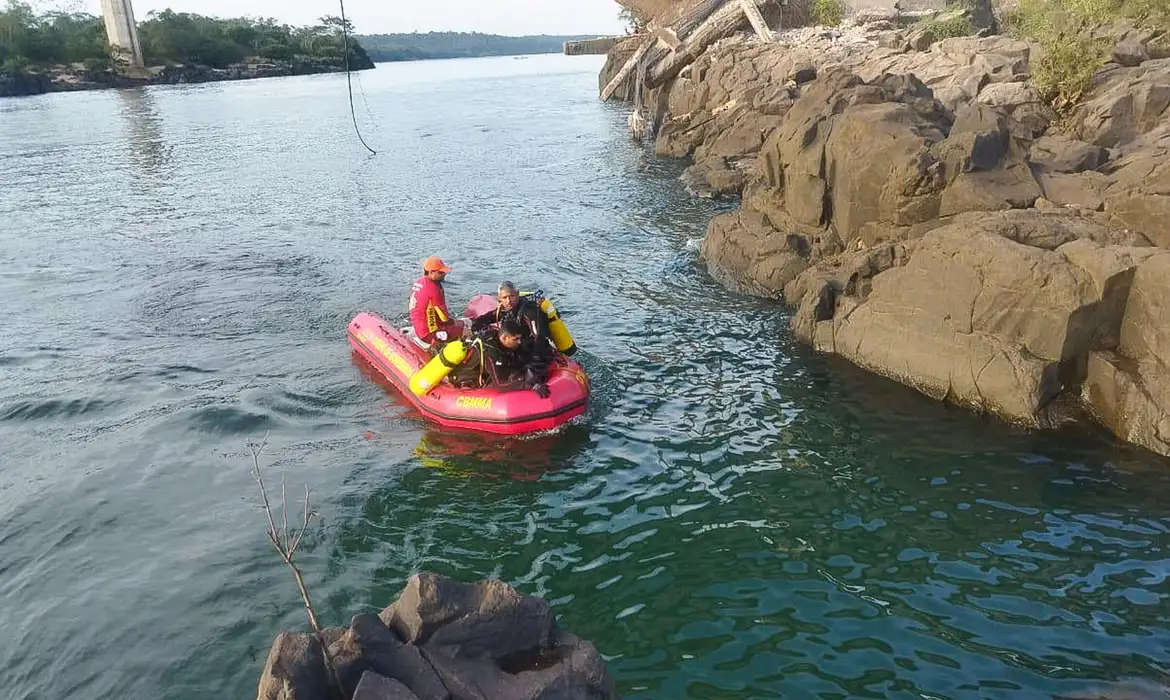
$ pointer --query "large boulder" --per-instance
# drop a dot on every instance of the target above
(443, 640)
(723, 108)
(1125, 103)
(1138, 195)
(979, 319)
(375, 687)
(295, 669)
(745, 252)
(483, 620)
(955, 69)
(570, 669)
(1128, 387)
(1059, 153)
(874, 160)
(370, 646)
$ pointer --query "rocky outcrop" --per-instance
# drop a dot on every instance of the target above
(442, 640)
(1128, 386)
(15, 83)
(1126, 103)
(918, 208)
(722, 109)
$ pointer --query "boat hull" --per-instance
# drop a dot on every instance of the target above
(501, 411)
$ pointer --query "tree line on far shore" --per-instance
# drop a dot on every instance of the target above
(419, 46)
(32, 39)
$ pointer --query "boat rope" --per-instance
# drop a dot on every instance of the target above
(349, 79)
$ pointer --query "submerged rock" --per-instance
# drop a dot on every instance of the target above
(443, 640)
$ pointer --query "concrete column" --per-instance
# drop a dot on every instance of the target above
(123, 32)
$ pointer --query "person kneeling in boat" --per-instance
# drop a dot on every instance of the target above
(505, 357)
(428, 305)
(524, 310)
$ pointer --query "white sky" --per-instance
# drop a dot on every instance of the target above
(510, 17)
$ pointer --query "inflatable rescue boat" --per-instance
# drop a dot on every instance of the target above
(421, 378)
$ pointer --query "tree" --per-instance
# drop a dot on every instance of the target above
(635, 21)
(28, 38)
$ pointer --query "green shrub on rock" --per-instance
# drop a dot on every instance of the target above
(827, 12)
(1071, 47)
(947, 27)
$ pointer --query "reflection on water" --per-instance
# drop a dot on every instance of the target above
(143, 125)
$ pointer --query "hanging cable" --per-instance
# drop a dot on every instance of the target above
(349, 80)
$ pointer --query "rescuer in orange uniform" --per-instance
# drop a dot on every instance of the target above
(428, 305)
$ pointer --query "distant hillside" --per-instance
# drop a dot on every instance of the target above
(414, 47)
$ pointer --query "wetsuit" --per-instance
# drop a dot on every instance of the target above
(489, 362)
(526, 312)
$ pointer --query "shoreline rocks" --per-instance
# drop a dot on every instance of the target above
(442, 640)
(920, 208)
(75, 78)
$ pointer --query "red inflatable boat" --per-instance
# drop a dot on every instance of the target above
(395, 354)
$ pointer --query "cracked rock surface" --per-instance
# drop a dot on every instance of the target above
(443, 640)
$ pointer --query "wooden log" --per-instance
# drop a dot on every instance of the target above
(723, 22)
(627, 68)
(667, 38)
(695, 16)
(662, 47)
(757, 20)
(691, 17)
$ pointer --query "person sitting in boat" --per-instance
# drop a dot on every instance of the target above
(521, 309)
(505, 357)
(428, 305)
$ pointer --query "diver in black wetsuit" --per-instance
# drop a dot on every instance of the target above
(505, 356)
(513, 307)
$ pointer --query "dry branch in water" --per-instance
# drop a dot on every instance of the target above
(287, 550)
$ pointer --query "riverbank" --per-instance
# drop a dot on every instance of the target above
(25, 83)
(925, 213)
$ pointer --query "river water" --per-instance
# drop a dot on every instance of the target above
(735, 517)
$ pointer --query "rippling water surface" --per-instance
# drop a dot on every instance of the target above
(736, 517)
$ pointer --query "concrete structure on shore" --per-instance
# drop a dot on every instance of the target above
(599, 46)
(122, 32)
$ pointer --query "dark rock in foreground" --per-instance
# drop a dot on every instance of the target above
(443, 640)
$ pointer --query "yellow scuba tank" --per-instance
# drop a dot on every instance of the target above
(448, 358)
(557, 329)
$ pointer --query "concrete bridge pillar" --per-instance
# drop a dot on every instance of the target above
(123, 32)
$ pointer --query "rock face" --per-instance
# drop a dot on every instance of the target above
(916, 205)
(443, 640)
(20, 84)
(1128, 386)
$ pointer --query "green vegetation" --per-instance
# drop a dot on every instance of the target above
(56, 38)
(28, 39)
(416, 46)
(957, 24)
(826, 12)
(634, 20)
(1069, 53)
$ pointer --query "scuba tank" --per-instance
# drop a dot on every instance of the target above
(448, 358)
(557, 328)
